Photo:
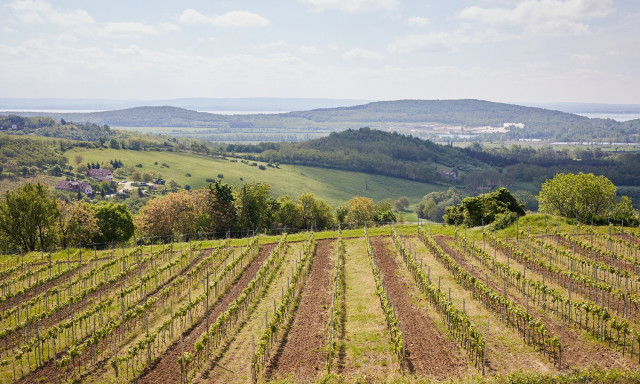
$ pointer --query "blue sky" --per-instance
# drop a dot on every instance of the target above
(499, 50)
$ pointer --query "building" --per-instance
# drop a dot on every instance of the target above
(451, 175)
(75, 186)
(100, 174)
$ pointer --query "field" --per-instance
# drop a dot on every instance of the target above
(403, 303)
(334, 186)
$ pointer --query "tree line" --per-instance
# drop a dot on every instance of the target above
(31, 217)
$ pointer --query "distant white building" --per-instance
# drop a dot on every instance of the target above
(100, 174)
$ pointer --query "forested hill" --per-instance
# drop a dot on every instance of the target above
(371, 151)
(463, 112)
(538, 123)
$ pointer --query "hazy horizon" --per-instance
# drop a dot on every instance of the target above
(498, 50)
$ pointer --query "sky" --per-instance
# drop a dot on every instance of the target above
(498, 50)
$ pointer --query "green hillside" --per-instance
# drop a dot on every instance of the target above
(334, 186)
(538, 123)
(371, 151)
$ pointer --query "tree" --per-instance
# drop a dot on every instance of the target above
(256, 208)
(402, 203)
(115, 222)
(76, 223)
(290, 214)
(383, 213)
(175, 214)
(27, 215)
(581, 196)
(361, 210)
(173, 185)
(315, 211)
(114, 144)
(222, 206)
(78, 159)
(483, 209)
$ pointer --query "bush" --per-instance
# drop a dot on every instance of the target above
(503, 220)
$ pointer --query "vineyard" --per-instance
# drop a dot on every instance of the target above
(542, 297)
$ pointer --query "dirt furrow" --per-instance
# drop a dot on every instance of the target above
(429, 351)
(577, 352)
(302, 352)
(47, 372)
(165, 368)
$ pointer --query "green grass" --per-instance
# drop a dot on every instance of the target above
(334, 186)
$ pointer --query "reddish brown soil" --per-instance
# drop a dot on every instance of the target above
(577, 352)
(47, 372)
(36, 290)
(302, 352)
(429, 351)
(91, 299)
(166, 369)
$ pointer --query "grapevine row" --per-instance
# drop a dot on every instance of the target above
(511, 313)
(458, 322)
(286, 309)
(337, 300)
(393, 324)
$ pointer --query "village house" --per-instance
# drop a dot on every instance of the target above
(448, 175)
(75, 186)
(100, 174)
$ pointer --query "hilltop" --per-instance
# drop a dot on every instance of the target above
(371, 151)
(425, 118)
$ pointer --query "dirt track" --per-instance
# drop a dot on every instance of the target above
(166, 368)
(303, 351)
(429, 351)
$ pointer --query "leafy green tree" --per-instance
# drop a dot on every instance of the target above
(623, 210)
(581, 196)
(256, 208)
(222, 208)
(76, 223)
(383, 212)
(115, 222)
(315, 211)
(28, 215)
(402, 203)
(290, 213)
(482, 209)
(114, 144)
(361, 210)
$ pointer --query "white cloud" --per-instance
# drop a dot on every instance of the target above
(547, 17)
(418, 21)
(356, 5)
(192, 17)
(169, 27)
(273, 45)
(433, 42)
(582, 58)
(362, 54)
(127, 29)
(241, 19)
(308, 49)
(39, 12)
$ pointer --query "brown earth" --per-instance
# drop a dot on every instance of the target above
(47, 372)
(429, 351)
(577, 352)
(89, 300)
(302, 352)
(165, 369)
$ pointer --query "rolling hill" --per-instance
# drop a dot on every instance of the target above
(538, 123)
